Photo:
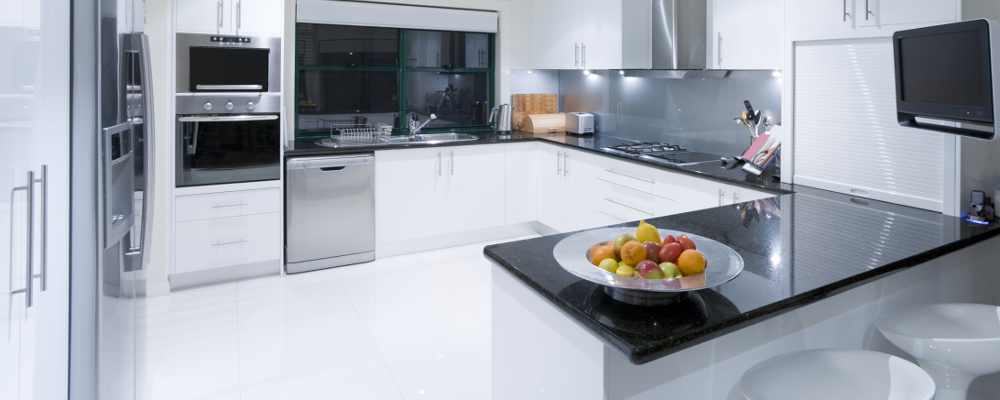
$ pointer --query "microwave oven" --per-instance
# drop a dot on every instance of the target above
(214, 63)
(946, 79)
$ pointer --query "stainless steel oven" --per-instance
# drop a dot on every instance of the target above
(240, 142)
(214, 63)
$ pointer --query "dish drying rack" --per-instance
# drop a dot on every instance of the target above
(372, 132)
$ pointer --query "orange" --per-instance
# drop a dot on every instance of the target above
(633, 253)
(691, 262)
(611, 245)
(593, 249)
(602, 253)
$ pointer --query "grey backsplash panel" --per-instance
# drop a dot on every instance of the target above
(696, 113)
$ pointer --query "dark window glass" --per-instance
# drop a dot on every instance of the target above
(458, 99)
(439, 49)
(329, 98)
(347, 46)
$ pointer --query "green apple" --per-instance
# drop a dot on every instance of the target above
(670, 270)
(621, 240)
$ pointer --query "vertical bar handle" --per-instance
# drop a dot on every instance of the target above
(718, 49)
(439, 163)
(736, 197)
(219, 14)
(576, 54)
(30, 232)
(722, 196)
(239, 19)
(452, 167)
(558, 163)
(846, 14)
(566, 164)
(44, 233)
(583, 54)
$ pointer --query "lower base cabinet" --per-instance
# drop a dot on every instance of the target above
(224, 242)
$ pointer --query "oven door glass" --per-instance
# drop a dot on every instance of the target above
(215, 69)
(214, 150)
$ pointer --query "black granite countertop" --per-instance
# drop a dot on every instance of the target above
(798, 249)
(731, 174)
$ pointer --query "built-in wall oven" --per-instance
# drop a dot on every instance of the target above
(228, 109)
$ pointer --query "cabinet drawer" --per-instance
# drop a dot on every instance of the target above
(624, 202)
(227, 205)
(215, 243)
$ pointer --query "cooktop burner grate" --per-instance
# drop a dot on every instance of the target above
(647, 148)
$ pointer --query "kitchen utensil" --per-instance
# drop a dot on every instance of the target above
(756, 128)
(528, 104)
(544, 123)
(768, 124)
(753, 136)
(579, 123)
(724, 264)
(500, 118)
(750, 112)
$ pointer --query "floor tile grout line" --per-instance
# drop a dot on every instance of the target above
(377, 352)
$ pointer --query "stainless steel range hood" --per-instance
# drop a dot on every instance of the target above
(664, 34)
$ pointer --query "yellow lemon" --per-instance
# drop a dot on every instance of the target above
(647, 233)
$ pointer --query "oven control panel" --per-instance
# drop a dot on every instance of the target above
(230, 39)
(228, 103)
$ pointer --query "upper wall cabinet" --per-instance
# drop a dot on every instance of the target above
(577, 34)
(748, 34)
(230, 17)
(804, 15)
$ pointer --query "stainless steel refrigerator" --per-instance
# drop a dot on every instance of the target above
(112, 160)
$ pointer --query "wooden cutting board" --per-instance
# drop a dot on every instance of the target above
(524, 104)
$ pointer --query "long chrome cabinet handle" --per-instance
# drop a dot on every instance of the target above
(613, 216)
(630, 176)
(630, 207)
(577, 55)
(29, 190)
(238, 18)
(558, 163)
(721, 197)
(566, 164)
(846, 14)
(439, 163)
(219, 7)
(718, 50)
(230, 205)
(583, 54)
(45, 217)
(228, 243)
(452, 167)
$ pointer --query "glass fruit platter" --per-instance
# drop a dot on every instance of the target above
(720, 264)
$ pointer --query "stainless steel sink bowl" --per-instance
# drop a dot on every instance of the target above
(428, 139)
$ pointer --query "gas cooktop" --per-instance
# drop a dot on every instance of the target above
(662, 153)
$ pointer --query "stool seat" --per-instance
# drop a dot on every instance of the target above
(835, 374)
(955, 343)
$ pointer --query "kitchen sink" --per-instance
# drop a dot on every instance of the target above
(429, 139)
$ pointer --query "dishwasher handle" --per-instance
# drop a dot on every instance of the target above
(328, 163)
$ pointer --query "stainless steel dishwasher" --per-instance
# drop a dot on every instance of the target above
(329, 212)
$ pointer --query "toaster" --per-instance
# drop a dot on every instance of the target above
(578, 123)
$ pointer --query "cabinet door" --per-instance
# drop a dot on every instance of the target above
(410, 189)
(893, 12)
(580, 177)
(601, 35)
(747, 40)
(216, 243)
(691, 194)
(204, 16)
(475, 198)
(550, 186)
(737, 194)
(556, 34)
(259, 17)
(521, 180)
(804, 15)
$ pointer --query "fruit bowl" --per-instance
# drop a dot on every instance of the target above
(723, 265)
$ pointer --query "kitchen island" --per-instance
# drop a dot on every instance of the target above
(819, 268)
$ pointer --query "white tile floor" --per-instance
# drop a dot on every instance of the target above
(407, 327)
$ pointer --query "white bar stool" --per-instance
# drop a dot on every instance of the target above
(835, 374)
(955, 343)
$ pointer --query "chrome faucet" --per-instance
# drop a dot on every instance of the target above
(416, 126)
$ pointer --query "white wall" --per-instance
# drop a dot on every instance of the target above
(513, 43)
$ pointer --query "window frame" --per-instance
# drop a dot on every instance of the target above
(401, 71)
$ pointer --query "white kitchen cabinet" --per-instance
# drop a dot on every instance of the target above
(259, 17)
(475, 195)
(217, 243)
(580, 176)
(230, 17)
(410, 189)
(521, 181)
(739, 194)
(803, 15)
(575, 34)
(748, 34)
(550, 186)
(566, 188)
(204, 16)
(227, 205)
(895, 12)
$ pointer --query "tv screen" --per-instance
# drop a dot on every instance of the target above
(943, 69)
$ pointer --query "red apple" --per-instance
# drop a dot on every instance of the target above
(649, 270)
(652, 251)
(670, 252)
